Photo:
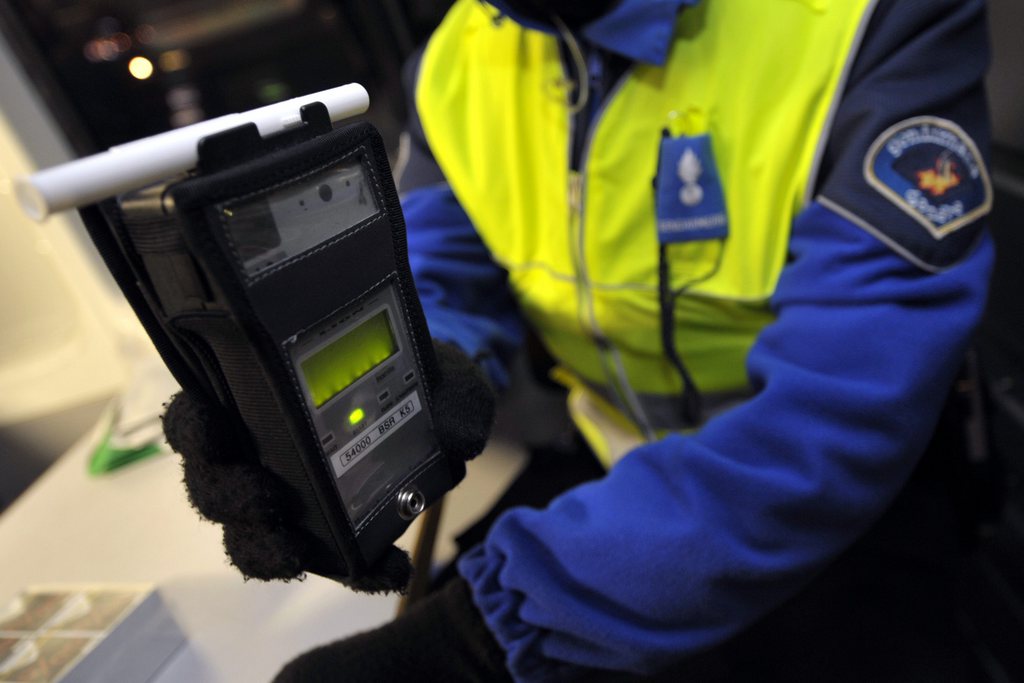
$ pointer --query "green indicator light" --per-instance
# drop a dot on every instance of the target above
(356, 416)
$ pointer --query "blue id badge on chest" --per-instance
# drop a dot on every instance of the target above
(690, 204)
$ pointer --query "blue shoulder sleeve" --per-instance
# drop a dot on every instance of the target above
(688, 540)
(906, 159)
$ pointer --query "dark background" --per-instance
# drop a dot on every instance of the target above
(211, 57)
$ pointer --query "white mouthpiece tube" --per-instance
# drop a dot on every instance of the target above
(139, 163)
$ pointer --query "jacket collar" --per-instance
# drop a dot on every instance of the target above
(640, 30)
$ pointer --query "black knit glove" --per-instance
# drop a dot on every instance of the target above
(227, 486)
(440, 638)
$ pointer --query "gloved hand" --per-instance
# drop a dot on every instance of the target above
(226, 486)
(440, 638)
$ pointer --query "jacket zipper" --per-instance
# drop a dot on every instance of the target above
(616, 374)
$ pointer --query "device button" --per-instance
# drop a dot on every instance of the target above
(410, 503)
(409, 376)
(384, 396)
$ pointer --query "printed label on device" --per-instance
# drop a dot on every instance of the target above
(359, 447)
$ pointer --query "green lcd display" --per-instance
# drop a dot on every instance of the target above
(338, 365)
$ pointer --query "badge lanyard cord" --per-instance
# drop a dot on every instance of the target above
(692, 400)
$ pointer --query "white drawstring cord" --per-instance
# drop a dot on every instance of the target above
(583, 76)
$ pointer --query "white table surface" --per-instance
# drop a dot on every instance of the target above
(135, 526)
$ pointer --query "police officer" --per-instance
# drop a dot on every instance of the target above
(750, 233)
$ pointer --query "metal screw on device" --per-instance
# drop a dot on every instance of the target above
(410, 503)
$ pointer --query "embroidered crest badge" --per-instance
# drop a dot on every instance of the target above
(932, 170)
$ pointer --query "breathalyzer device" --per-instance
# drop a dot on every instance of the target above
(273, 278)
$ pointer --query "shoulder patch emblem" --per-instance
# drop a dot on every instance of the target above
(932, 170)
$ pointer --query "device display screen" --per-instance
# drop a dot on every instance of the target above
(294, 219)
(342, 362)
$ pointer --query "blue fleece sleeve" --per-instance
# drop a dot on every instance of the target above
(464, 294)
(688, 540)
